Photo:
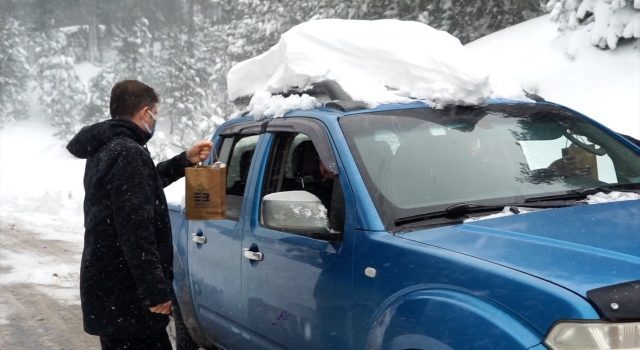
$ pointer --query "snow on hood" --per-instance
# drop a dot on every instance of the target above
(597, 198)
(505, 212)
(377, 62)
(611, 197)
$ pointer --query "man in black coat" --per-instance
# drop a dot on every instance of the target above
(126, 271)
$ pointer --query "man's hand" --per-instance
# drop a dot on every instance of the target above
(162, 308)
(199, 152)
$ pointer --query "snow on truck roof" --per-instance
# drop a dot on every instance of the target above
(376, 62)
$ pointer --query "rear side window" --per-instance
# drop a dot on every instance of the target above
(238, 166)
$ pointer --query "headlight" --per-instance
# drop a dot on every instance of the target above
(594, 336)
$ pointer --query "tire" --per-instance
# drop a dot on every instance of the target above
(183, 338)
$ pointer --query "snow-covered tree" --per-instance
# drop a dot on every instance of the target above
(134, 51)
(62, 95)
(97, 109)
(182, 82)
(159, 147)
(611, 20)
(469, 20)
(14, 71)
(133, 48)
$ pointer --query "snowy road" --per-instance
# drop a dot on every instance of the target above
(31, 316)
(38, 321)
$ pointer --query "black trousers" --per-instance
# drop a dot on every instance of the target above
(154, 342)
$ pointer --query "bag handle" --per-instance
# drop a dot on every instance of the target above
(199, 164)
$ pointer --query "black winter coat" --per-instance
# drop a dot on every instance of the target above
(128, 256)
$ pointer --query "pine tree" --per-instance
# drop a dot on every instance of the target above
(159, 147)
(132, 62)
(611, 20)
(183, 84)
(469, 20)
(134, 51)
(193, 84)
(97, 109)
(62, 95)
(14, 71)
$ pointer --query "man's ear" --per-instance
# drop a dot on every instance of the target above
(140, 115)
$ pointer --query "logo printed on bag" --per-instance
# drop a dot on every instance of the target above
(201, 198)
(205, 189)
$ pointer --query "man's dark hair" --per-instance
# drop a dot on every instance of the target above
(636, 141)
(129, 96)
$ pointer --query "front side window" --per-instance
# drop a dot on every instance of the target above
(424, 160)
(294, 165)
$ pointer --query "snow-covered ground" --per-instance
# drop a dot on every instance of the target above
(41, 193)
(602, 84)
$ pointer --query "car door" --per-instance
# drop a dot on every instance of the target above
(215, 251)
(297, 288)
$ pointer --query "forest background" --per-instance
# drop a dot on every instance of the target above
(184, 49)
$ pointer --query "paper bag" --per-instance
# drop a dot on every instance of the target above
(205, 192)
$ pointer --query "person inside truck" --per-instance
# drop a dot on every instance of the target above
(312, 176)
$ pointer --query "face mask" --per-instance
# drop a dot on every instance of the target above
(151, 131)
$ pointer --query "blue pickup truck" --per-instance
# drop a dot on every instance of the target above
(410, 227)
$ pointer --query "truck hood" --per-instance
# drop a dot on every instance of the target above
(580, 248)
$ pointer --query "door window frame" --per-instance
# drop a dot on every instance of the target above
(230, 136)
(318, 134)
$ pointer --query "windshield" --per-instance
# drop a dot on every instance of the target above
(423, 160)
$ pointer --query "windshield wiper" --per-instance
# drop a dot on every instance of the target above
(452, 211)
(455, 211)
(583, 193)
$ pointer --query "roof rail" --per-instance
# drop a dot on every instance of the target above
(534, 97)
(346, 106)
(330, 88)
(340, 100)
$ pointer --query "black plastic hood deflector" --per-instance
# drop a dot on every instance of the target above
(617, 302)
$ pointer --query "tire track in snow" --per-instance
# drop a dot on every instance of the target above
(40, 310)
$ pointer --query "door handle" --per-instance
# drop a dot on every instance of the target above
(252, 255)
(198, 239)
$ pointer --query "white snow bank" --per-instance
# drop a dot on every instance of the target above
(175, 193)
(365, 58)
(41, 192)
(602, 84)
(38, 177)
(611, 197)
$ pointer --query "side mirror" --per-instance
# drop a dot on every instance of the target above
(298, 212)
